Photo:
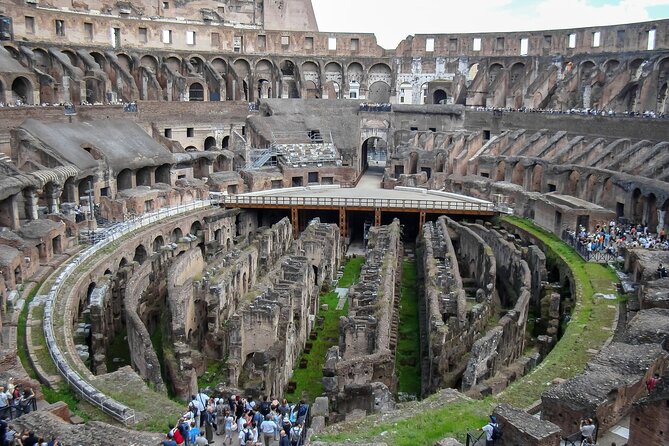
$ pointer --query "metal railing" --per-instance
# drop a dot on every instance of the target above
(108, 405)
(475, 439)
(13, 410)
(597, 256)
(394, 203)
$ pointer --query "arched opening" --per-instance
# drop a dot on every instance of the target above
(225, 143)
(472, 72)
(196, 92)
(500, 172)
(22, 91)
(122, 263)
(164, 174)
(210, 143)
(651, 213)
(264, 89)
(405, 93)
(287, 68)
(537, 174)
(144, 176)
(439, 97)
(493, 72)
(572, 185)
(158, 243)
(140, 254)
(518, 176)
(196, 228)
(68, 195)
(217, 235)
(124, 179)
(312, 90)
(374, 154)
(517, 73)
(177, 235)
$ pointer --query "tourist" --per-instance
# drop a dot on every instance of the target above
(651, 383)
(201, 441)
(587, 429)
(175, 434)
(193, 432)
(268, 429)
(209, 420)
(283, 439)
(222, 417)
(246, 435)
(4, 401)
(296, 434)
(228, 422)
(489, 429)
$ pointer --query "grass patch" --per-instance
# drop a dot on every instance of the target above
(22, 350)
(118, 352)
(214, 375)
(407, 361)
(567, 359)
(309, 380)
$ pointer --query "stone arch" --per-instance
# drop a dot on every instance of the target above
(191, 149)
(124, 179)
(610, 67)
(195, 227)
(69, 196)
(635, 68)
(164, 174)
(380, 69)
(150, 63)
(379, 92)
(123, 262)
(537, 175)
(225, 142)
(41, 60)
(75, 61)
(22, 90)
(242, 67)
(140, 254)
(125, 61)
(607, 198)
(665, 214)
(439, 96)
(516, 73)
(100, 59)
(571, 187)
(210, 143)
(158, 243)
(423, 93)
(173, 63)
(334, 78)
(494, 70)
(590, 188)
(662, 102)
(220, 66)
(143, 176)
(264, 66)
(196, 92)
(197, 62)
(373, 148)
(264, 88)
(518, 175)
(586, 68)
(355, 72)
(176, 235)
(287, 67)
(16, 54)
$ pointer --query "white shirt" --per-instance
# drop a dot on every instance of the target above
(488, 431)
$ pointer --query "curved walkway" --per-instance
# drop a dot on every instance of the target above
(108, 405)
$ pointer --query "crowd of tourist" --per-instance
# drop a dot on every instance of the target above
(238, 421)
(611, 238)
(577, 111)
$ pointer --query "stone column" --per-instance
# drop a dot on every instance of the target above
(30, 196)
(53, 199)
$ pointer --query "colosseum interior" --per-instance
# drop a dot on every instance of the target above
(188, 185)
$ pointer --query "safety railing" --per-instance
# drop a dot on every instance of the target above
(108, 405)
(589, 255)
(475, 439)
(393, 203)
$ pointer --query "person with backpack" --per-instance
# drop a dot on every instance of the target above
(492, 431)
(296, 434)
(246, 435)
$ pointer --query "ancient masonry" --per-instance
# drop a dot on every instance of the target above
(143, 121)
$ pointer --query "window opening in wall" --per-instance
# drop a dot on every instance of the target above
(485, 174)
(116, 37)
(167, 36)
(596, 39)
(243, 130)
(572, 40)
(486, 134)
(476, 45)
(60, 28)
(548, 41)
(355, 44)
(308, 43)
(190, 37)
(190, 132)
(620, 38)
(499, 43)
(215, 40)
(143, 35)
(413, 129)
(332, 43)
(651, 40)
(168, 133)
(166, 5)
(313, 177)
(261, 42)
(30, 25)
(221, 10)
(524, 46)
(285, 41)
(429, 44)
(88, 31)
(237, 42)
(452, 44)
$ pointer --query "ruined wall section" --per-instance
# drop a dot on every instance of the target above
(270, 329)
(505, 342)
(455, 318)
(368, 335)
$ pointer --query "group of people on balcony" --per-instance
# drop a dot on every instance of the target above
(614, 236)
